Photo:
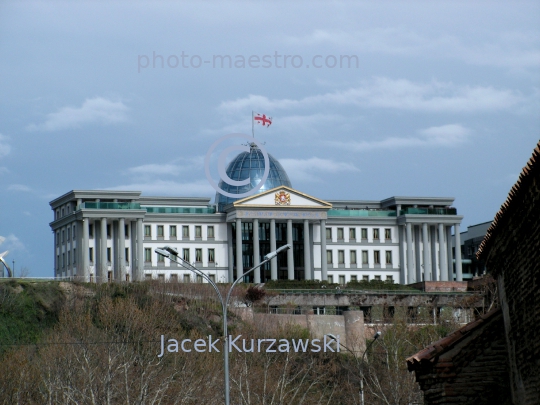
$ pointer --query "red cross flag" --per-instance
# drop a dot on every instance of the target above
(262, 119)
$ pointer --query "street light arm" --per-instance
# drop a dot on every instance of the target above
(268, 257)
(166, 254)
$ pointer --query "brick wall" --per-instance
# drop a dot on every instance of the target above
(470, 370)
(514, 259)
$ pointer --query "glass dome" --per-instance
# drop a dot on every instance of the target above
(251, 164)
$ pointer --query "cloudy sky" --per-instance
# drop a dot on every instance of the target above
(369, 100)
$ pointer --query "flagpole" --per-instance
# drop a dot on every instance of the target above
(253, 123)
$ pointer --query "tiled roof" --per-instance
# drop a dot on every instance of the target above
(433, 351)
(531, 169)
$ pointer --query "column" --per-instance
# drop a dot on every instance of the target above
(324, 265)
(425, 245)
(273, 262)
(103, 251)
(449, 263)
(410, 261)
(307, 248)
(290, 252)
(239, 264)
(433, 236)
(459, 272)
(230, 253)
(401, 241)
(84, 250)
(121, 250)
(417, 254)
(443, 266)
(139, 272)
(256, 252)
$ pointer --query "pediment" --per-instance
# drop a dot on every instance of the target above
(282, 197)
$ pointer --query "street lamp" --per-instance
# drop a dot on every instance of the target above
(361, 363)
(168, 251)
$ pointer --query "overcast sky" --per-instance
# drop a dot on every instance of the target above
(439, 99)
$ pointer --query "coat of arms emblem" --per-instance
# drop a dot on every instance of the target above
(283, 198)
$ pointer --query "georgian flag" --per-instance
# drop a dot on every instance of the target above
(262, 119)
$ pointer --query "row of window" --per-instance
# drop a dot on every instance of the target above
(173, 278)
(211, 255)
(65, 235)
(363, 233)
(109, 255)
(65, 256)
(341, 278)
(160, 231)
(365, 257)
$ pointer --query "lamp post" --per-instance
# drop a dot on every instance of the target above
(167, 251)
(361, 363)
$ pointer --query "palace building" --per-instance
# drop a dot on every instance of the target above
(111, 235)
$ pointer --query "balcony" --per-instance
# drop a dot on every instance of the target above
(361, 213)
(429, 211)
(180, 210)
(109, 206)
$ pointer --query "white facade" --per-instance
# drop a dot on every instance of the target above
(403, 239)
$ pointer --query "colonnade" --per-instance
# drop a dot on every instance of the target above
(418, 251)
(307, 244)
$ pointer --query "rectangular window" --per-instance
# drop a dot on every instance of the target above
(329, 233)
(63, 260)
(62, 240)
(198, 231)
(109, 255)
(57, 238)
(147, 255)
(172, 231)
(390, 278)
(148, 277)
(160, 232)
(210, 232)
(91, 230)
(388, 257)
(211, 255)
(198, 255)
(376, 234)
(69, 258)
(199, 278)
(160, 259)
(364, 233)
(329, 257)
(187, 278)
(212, 277)
(126, 257)
(147, 231)
(365, 278)
(185, 232)
(354, 278)
(352, 234)
(376, 257)
(341, 256)
(331, 279)
(173, 278)
(74, 233)
(378, 278)
(365, 257)
(74, 255)
(69, 233)
(353, 256)
(161, 278)
(185, 254)
(340, 233)
(342, 280)
(109, 231)
(91, 255)
(388, 234)
(126, 231)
